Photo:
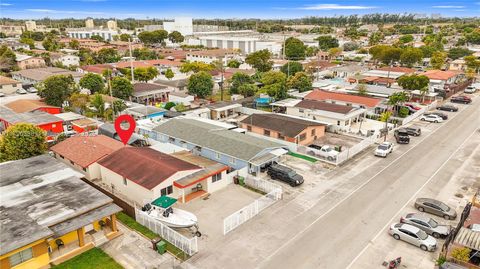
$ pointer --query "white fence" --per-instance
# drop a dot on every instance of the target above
(246, 213)
(342, 156)
(188, 245)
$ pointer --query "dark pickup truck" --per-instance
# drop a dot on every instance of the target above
(401, 136)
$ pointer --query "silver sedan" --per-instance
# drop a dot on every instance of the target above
(427, 224)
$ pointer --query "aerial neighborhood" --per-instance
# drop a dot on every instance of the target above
(346, 141)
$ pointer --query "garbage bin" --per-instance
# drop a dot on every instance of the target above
(161, 247)
(155, 242)
(235, 179)
(241, 180)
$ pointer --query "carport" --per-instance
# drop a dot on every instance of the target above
(256, 163)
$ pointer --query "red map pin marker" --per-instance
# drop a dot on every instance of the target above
(125, 134)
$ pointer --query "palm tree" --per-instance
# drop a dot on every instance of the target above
(423, 91)
(384, 117)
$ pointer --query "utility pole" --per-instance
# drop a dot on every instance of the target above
(131, 59)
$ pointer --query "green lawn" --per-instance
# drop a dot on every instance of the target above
(217, 97)
(134, 225)
(304, 157)
(91, 259)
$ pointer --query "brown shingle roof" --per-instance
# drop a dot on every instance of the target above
(146, 87)
(144, 166)
(320, 105)
(27, 105)
(285, 125)
(85, 150)
(320, 95)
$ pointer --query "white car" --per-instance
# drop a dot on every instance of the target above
(431, 118)
(470, 89)
(384, 149)
(413, 235)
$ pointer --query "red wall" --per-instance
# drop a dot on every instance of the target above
(51, 110)
(58, 128)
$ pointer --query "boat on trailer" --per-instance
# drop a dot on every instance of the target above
(161, 209)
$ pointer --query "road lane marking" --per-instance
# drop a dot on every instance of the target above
(410, 200)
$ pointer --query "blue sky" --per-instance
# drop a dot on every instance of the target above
(227, 8)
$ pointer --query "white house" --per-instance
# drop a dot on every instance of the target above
(65, 59)
(8, 85)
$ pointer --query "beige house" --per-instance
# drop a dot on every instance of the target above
(29, 62)
(8, 85)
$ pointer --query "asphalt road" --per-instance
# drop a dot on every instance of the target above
(339, 235)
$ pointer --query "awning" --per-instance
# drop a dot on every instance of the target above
(200, 175)
(164, 201)
(468, 238)
(84, 219)
(279, 152)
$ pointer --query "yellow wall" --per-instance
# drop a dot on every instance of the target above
(66, 238)
(38, 261)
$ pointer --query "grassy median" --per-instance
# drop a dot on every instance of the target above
(94, 258)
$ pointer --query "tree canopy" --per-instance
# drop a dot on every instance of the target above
(300, 81)
(153, 37)
(260, 60)
(238, 79)
(196, 67)
(294, 49)
(274, 84)
(57, 89)
(291, 68)
(93, 82)
(21, 141)
(145, 73)
(107, 55)
(200, 84)
(176, 37)
(327, 42)
(121, 88)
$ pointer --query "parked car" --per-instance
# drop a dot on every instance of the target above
(413, 130)
(431, 118)
(2, 94)
(285, 174)
(461, 99)
(401, 136)
(21, 91)
(448, 108)
(470, 89)
(429, 225)
(327, 152)
(440, 114)
(32, 90)
(384, 149)
(413, 235)
(435, 207)
(412, 106)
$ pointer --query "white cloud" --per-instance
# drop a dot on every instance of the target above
(5, 4)
(448, 6)
(64, 11)
(334, 7)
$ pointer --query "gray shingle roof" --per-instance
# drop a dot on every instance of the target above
(237, 145)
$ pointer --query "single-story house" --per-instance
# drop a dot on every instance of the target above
(181, 98)
(143, 174)
(440, 79)
(33, 76)
(149, 93)
(8, 85)
(223, 110)
(341, 116)
(84, 125)
(343, 99)
(30, 105)
(48, 122)
(27, 61)
(49, 215)
(83, 152)
(68, 118)
(209, 139)
(65, 59)
(145, 112)
(291, 129)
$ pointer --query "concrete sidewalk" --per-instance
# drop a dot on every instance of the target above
(134, 251)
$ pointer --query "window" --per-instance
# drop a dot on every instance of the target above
(349, 104)
(338, 122)
(61, 156)
(84, 169)
(216, 177)
(303, 136)
(217, 155)
(166, 191)
(280, 136)
(21, 257)
(249, 128)
(72, 162)
(266, 132)
(125, 181)
(313, 132)
(300, 110)
(232, 160)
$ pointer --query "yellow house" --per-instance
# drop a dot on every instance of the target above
(49, 214)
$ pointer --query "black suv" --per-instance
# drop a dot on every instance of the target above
(401, 135)
(285, 174)
(448, 108)
(413, 131)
